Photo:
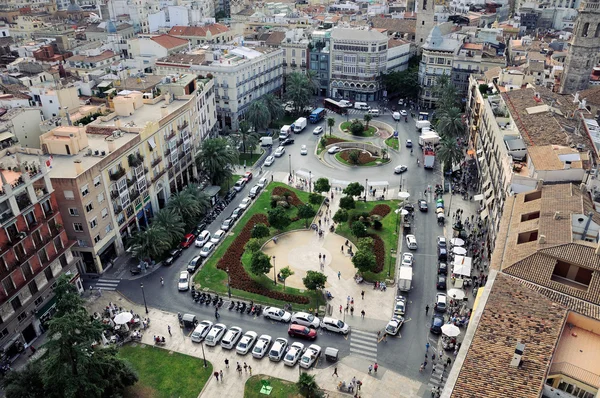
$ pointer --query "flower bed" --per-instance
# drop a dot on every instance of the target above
(240, 279)
(295, 200)
(379, 251)
(363, 157)
(381, 210)
(333, 140)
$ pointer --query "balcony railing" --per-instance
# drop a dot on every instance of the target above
(168, 137)
(183, 125)
(135, 159)
(115, 176)
(118, 209)
(158, 175)
(114, 194)
(576, 373)
(156, 161)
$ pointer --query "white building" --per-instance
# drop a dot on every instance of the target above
(188, 13)
(399, 52)
(53, 101)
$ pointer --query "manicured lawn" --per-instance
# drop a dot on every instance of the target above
(249, 158)
(281, 388)
(367, 133)
(392, 142)
(329, 140)
(387, 234)
(165, 374)
(216, 280)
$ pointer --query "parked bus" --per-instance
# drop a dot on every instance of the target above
(334, 106)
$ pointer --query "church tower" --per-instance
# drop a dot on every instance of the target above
(425, 18)
(584, 48)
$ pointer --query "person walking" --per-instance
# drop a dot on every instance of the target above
(250, 370)
(216, 374)
(339, 275)
(340, 308)
(335, 372)
(370, 368)
(362, 314)
(226, 363)
(342, 249)
(352, 310)
(323, 258)
(320, 258)
(162, 281)
(221, 375)
(169, 329)
(426, 309)
(375, 367)
(245, 367)
(385, 337)
(427, 347)
(448, 361)
(362, 294)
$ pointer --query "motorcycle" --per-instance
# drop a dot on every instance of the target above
(215, 300)
(220, 303)
(250, 307)
(208, 299)
(231, 305)
(243, 308)
(238, 305)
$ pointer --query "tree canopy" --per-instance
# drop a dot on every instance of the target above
(322, 185)
(260, 230)
(314, 280)
(260, 263)
(278, 218)
(217, 158)
(405, 82)
(353, 189)
(305, 212)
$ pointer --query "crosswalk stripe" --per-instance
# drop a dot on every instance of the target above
(362, 347)
(372, 343)
(360, 332)
(361, 354)
(106, 284)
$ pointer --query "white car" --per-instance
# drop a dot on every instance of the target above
(318, 130)
(441, 241)
(207, 249)
(239, 184)
(400, 169)
(214, 335)
(277, 314)
(226, 224)
(184, 281)
(231, 337)
(246, 342)
(303, 150)
(400, 307)
(245, 203)
(293, 354)
(312, 353)
(408, 259)
(393, 326)
(306, 319)
(403, 112)
(216, 238)
(396, 116)
(201, 331)
(440, 302)
(335, 325)
(262, 346)
(279, 152)
(278, 349)
(269, 160)
(334, 149)
(254, 191)
(262, 183)
(202, 238)
(411, 242)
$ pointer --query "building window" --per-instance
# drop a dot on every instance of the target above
(3, 333)
(96, 238)
(108, 228)
(572, 275)
(94, 223)
(101, 197)
(533, 196)
(97, 181)
(78, 227)
(22, 316)
(530, 216)
(69, 195)
(73, 211)
(89, 207)
(526, 237)
(84, 190)
(104, 212)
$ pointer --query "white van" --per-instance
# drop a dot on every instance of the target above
(373, 112)
(362, 106)
(345, 103)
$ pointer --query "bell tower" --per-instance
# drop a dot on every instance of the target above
(584, 48)
(425, 18)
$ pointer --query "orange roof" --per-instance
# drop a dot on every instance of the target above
(198, 31)
(168, 41)
(472, 46)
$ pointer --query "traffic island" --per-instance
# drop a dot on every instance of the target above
(359, 158)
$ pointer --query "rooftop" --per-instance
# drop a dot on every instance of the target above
(169, 42)
(580, 348)
(395, 24)
(437, 42)
(184, 59)
(275, 38)
(591, 95)
(198, 31)
(549, 157)
(357, 34)
(95, 58)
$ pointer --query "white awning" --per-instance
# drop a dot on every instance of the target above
(483, 214)
(152, 143)
(378, 183)
(478, 197)
(6, 135)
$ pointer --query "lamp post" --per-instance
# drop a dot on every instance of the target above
(366, 187)
(290, 157)
(309, 181)
(144, 296)
(203, 356)
(228, 283)
(390, 265)
(274, 272)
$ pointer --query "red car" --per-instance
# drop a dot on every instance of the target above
(188, 240)
(248, 176)
(302, 331)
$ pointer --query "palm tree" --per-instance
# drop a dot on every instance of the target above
(367, 119)
(274, 106)
(185, 206)
(312, 81)
(246, 138)
(217, 159)
(150, 242)
(449, 153)
(171, 223)
(450, 123)
(330, 124)
(199, 196)
(298, 91)
(307, 385)
(258, 115)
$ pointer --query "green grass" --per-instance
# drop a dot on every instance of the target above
(216, 280)
(367, 133)
(249, 158)
(387, 234)
(165, 374)
(393, 143)
(281, 388)
(339, 157)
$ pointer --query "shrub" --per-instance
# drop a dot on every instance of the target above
(260, 231)
(381, 210)
(379, 252)
(288, 195)
(354, 157)
(357, 128)
(284, 204)
(315, 198)
(253, 245)
(347, 203)
(359, 230)
(340, 216)
(377, 225)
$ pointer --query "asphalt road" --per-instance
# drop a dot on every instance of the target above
(405, 353)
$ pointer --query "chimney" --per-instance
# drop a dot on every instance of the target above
(111, 144)
(538, 186)
(164, 112)
(518, 355)
(557, 215)
(118, 123)
(78, 166)
(567, 165)
(542, 239)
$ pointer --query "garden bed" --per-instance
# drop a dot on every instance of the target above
(281, 388)
(364, 158)
(370, 132)
(393, 143)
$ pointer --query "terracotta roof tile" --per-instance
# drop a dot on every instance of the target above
(198, 31)
(168, 41)
(592, 95)
(275, 38)
(395, 25)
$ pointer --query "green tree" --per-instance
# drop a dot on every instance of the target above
(258, 115)
(341, 215)
(199, 196)
(171, 223)
(260, 230)
(253, 245)
(322, 185)
(449, 153)
(358, 229)
(185, 205)
(330, 124)
(315, 198)
(217, 159)
(307, 385)
(314, 281)
(347, 203)
(354, 157)
(260, 263)
(450, 123)
(312, 80)
(278, 218)
(363, 260)
(274, 106)
(25, 383)
(150, 243)
(246, 138)
(367, 118)
(405, 82)
(298, 91)
(306, 212)
(353, 189)
(356, 127)
(366, 244)
(285, 273)
(219, 15)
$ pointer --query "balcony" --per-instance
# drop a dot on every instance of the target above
(158, 175)
(156, 161)
(114, 194)
(115, 176)
(134, 195)
(183, 125)
(130, 183)
(167, 151)
(172, 135)
(23, 201)
(135, 159)
(118, 209)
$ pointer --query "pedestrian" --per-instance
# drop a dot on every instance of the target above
(352, 310)
(347, 308)
(449, 361)
(323, 258)
(375, 367)
(216, 374)
(370, 368)
(319, 257)
(250, 370)
(245, 367)
(335, 372)
(385, 337)
(339, 275)
(426, 309)
(239, 368)
(162, 281)
(345, 244)
(421, 368)
(99, 291)
(342, 249)
(427, 347)
(445, 366)
(340, 308)
(352, 301)
(362, 294)
(433, 356)
(226, 363)
(33, 350)
(169, 329)
(362, 314)
(425, 363)
(441, 354)
(221, 375)
(359, 384)
(378, 335)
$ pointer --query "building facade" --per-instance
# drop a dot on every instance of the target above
(319, 60)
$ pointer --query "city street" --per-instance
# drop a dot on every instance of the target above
(403, 354)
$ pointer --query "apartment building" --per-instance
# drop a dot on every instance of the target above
(295, 51)
(358, 58)
(399, 53)
(113, 174)
(34, 249)
(241, 75)
(319, 59)
(466, 61)
(20, 125)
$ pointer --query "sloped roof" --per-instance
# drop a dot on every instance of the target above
(395, 25)
(275, 38)
(591, 95)
(198, 31)
(168, 41)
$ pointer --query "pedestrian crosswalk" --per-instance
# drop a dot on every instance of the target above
(106, 284)
(438, 377)
(363, 344)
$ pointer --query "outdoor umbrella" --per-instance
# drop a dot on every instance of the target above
(461, 251)
(123, 318)
(456, 294)
(457, 242)
(450, 330)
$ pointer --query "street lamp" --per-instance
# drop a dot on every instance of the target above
(228, 283)
(290, 157)
(274, 272)
(144, 296)
(366, 186)
(390, 265)
(203, 356)
(309, 182)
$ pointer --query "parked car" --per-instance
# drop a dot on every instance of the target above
(441, 241)
(409, 207)
(214, 335)
(312, 353)
(306, 319)
(246, 342)
(334, 149)
(287, 141)
(443, 268)
(303, 150)
(293, 354)
(394, 325)
(230, 195)
(335, 325)
(239, 184)
(245, 203)
(269, 160)
(411, 242)
(231, 338)
(236, 213)
(184, 281)
(441, 282)
(262, 346)
(173, 255)
(201, 331)
(303, 332)
(436, 324)
(262, 183)
(279, 152)
(277, 314)
(440, 302)
(226, 224)
(194, 264)
(248, 176)
(278, 349)
(318, 130)
(187, 241)
(400, 169)
(423, 205)
(207, 249)
(254, 191)
(202, 238)
(408, 259)
(400, 306)
(216, 238)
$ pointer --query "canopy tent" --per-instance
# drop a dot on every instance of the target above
(462, 265)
